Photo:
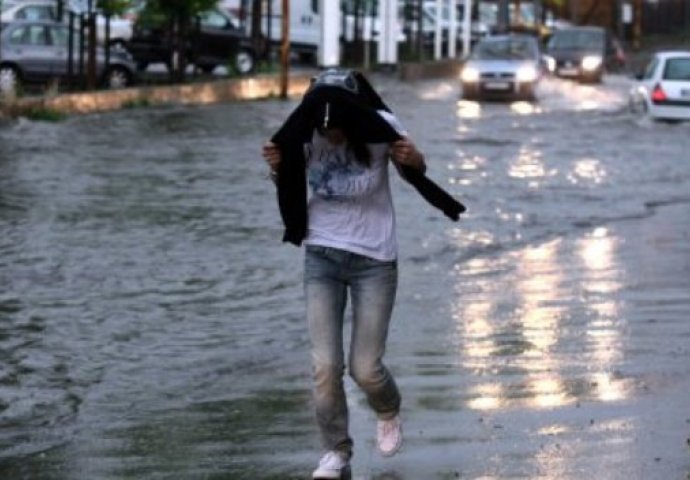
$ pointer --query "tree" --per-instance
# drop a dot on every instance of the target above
(114, 7)
(179, 20)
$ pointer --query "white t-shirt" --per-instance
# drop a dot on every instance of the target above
(350, 204)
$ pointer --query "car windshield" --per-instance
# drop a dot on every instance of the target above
(577, 39)
(677, 69)
(508, 49)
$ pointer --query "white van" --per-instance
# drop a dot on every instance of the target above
(305, 23)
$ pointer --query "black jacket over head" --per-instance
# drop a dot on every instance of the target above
(342, 99)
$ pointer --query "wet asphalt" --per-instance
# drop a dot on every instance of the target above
(151, 321)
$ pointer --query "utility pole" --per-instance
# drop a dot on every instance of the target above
(467, 28)
(637, 26)
(285, 49)
(620, 25)
(453, 29)
(91, 52)
(438, 32)
(503, 16)
(573, 11)
(0, 25)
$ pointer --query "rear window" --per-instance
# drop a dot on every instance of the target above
(677, 69)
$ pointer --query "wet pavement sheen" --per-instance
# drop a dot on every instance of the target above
(151, 321)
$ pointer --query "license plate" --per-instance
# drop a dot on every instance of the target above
(497, 85)
(567, 71)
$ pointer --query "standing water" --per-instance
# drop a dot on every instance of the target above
(151, 321)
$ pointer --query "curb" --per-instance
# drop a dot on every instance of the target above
(202, 93)
(257, 87)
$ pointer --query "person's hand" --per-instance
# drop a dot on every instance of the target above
(404, 152)
(271, 154)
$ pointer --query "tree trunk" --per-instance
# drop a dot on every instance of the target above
(257, 13)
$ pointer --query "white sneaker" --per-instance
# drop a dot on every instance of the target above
(333, 465)
(389, 436)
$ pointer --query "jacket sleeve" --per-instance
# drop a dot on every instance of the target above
(432, 193)
(292, 193)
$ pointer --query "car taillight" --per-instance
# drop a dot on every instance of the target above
(658, 94)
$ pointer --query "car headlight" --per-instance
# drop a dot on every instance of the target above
(591, 62)
(526, 73)
(550, 63)
(469, 75)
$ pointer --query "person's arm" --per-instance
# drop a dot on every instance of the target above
(271, 154)
(405, 152)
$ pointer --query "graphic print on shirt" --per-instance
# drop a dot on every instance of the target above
(335, 175)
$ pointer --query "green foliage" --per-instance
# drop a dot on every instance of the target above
(177, 17)
(137, 103)
(180, 9)
(45, 114)
(114, 7)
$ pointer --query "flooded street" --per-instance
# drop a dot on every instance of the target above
(151, 321)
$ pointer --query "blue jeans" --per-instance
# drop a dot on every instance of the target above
(328, 274)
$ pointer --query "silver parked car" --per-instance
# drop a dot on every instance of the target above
(37, 51)
(502, 66)
(13, 10)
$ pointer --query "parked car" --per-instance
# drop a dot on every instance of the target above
(502, 66)
(663, 90)
(218, 41)
(584, 53)
(37, 51)
(12, 10)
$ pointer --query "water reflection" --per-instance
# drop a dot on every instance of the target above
(587, 170)
(541, 339)
(437, 92)
(525, 108)
(529, 165)
(468, 109)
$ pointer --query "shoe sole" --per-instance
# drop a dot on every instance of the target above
(392, 452)
(346, 474)
(397, 448)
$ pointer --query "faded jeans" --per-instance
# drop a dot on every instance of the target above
(329, 272)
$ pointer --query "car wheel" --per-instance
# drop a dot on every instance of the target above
(117, 77)
(9, 80)
(528, 94)
(468, 93)
(636, 106)
(118, 44)
(207, 68)
(243, 62)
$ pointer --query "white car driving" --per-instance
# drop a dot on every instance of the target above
(663, 90)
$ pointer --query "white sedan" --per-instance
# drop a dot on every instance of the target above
(663, 90)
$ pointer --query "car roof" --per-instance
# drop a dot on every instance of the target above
(582, 28)
(673, 54)
(16, 23)
(510, 36)
(32, 2)
(24, 3)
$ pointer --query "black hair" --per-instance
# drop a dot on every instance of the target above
(340, 118)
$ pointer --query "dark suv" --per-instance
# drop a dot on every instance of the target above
(584, 53)
(217, 40)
